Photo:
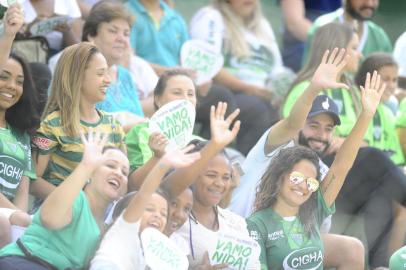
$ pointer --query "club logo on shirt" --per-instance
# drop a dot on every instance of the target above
(255, 235)
(42, 143)
(309, 258)
(275, 235)
(11, 169)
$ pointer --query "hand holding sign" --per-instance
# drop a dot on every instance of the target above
(221, 135)
(161, 253)
(201, 57)
(158, 142)
(175, 120)
(238, 252)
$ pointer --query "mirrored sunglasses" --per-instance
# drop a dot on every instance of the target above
(296, 178)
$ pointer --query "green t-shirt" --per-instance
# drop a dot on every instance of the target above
(341, 97)
(374, 38)
(66, 151)
(398, 260)
(401, 115)
(382, 134)
(138, 150)
(283, 243)
(15, 160)
(72, 246)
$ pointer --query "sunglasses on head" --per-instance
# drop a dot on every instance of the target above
(296, 178)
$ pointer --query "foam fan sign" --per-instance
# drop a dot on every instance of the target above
(201, 57)
(161, 253)
(238, 252)
(175, 120)
(46, 26)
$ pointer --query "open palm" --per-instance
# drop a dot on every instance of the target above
(329, 70)
(372, 92)
(180, 158)
(221, 134)
(93, 147)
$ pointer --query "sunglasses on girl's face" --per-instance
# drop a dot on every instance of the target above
(296, 178)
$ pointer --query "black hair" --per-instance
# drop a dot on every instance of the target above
(374, 61)
(24, 115)
(41, 76)
(125, 201)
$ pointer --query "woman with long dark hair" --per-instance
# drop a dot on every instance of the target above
(18, 120)
(292, 201)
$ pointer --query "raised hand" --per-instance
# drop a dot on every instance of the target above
(327, 74)
(372, 92)
(221, 134)
(158, 142)
(93, 147)
(180, 158)
(13, 20)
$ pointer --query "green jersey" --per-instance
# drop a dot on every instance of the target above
(66, 151)
(138, 150)
(398, 260)
(69, 247)
(382, 134)
(15, 160)
(283, 242)
(401, 115)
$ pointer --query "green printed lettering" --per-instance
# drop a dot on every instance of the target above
(238, 263)
(228, 248)
(218, 257)
(161, 125)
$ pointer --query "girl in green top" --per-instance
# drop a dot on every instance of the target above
(289, 204)
(18, 119)
(172, 85)
(383, 127)
(66, 231)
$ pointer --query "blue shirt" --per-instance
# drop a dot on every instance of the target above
(122, 95)
(158, 44)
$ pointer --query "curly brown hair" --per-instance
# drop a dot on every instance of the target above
(271, 183)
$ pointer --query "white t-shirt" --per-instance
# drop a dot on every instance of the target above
(254, 167)
(121, 246)
(208, 25)
(180, 242)
(143, 75)
(399, 53)
(199, 238)
(61, 7)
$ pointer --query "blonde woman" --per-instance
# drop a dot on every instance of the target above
(80, 81)
(240, 32)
